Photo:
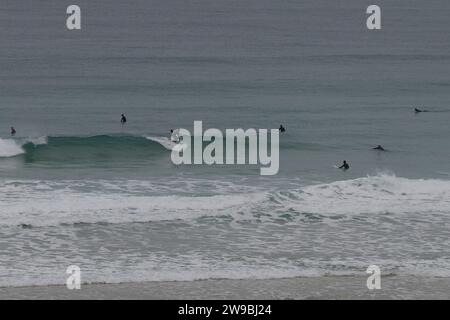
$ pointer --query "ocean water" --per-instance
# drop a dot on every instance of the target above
(77, 187)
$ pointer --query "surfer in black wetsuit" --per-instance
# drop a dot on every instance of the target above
(344, 166)
(13, 131)
(282, 129)
(174, 136)
(379, 147)
(123, 119)
(416, 110)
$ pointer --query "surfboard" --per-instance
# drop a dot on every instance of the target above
(167, 143)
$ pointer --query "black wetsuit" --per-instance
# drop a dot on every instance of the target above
(123, 120)
(345, 166)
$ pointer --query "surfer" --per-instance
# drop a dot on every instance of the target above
(282, 129)
(417, 110)
(174, 137)
(344, 166)
(123, 119)
(379, 147)
(13, 131)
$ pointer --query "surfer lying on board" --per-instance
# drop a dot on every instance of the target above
(379, 147)
(416, 110)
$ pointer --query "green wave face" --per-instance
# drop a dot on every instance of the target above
(102, 148)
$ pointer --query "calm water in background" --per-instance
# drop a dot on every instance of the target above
(82, 189)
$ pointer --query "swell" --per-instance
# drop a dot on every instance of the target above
(58, 148)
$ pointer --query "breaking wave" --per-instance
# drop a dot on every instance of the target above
(61, 148)
(15, 147)
(43, 203)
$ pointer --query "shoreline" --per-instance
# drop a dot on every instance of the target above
(305, 288)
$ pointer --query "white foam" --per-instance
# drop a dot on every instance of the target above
(193, 267)
(10, 148)
(44, 204)
(48, 203)
(371, 195)
(14, 147)
(36, 141)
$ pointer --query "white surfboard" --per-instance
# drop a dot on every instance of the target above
(168, 144)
